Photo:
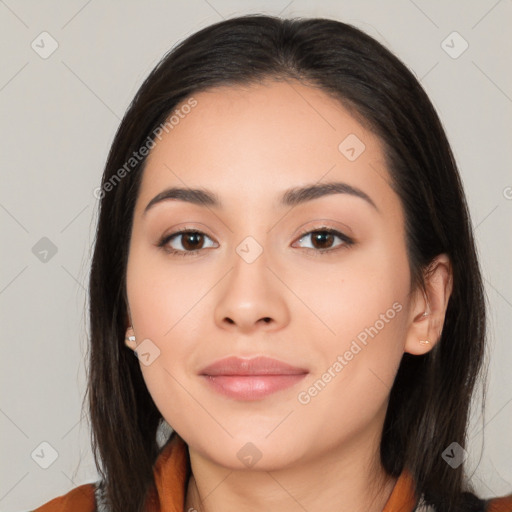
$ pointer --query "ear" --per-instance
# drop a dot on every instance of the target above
(129, 338)
(429, 307)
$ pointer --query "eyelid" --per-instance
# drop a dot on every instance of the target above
(314, 229)
(186, 227)
(324, 224)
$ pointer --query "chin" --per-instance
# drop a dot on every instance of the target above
(250, 450)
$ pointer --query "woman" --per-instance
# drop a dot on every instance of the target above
(284, 244)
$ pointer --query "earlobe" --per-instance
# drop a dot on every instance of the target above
(429, 309)
(130, 340)
(418, 341)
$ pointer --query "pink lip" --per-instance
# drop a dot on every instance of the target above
(251, 379)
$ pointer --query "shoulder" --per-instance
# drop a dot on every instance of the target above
(472, 503)
(498, 504)
(79, 499)
(502, 504)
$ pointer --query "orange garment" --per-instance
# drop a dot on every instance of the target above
(171, 471)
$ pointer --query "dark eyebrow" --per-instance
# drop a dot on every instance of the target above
(300, 195)
(291, 197)
(201, 197)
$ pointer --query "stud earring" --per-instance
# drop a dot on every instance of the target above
(424, 342)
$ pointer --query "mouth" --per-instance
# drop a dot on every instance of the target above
(251, 379)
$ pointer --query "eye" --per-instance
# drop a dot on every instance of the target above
(185, 242)
(323, 238)
(189, 242)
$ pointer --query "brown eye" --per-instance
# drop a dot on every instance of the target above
(192, 241)
(323, 241)
(184, 242)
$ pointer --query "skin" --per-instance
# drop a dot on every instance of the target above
(249, 144)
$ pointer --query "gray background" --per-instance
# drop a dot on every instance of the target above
(59, 116)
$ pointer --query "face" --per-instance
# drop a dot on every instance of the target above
(317, 281)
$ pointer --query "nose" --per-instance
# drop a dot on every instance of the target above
(251, 298)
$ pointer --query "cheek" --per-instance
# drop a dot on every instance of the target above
(160, 293)
(156, 315)
(361, 311)
(363, 296)
(349, 389)
(163, 305)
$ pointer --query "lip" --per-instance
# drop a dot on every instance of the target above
(251, 379)
(260, 365)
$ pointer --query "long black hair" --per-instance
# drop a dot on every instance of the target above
(430, 399)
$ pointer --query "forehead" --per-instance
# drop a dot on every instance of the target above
(252, 142)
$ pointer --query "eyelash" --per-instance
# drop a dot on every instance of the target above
(348, 242)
